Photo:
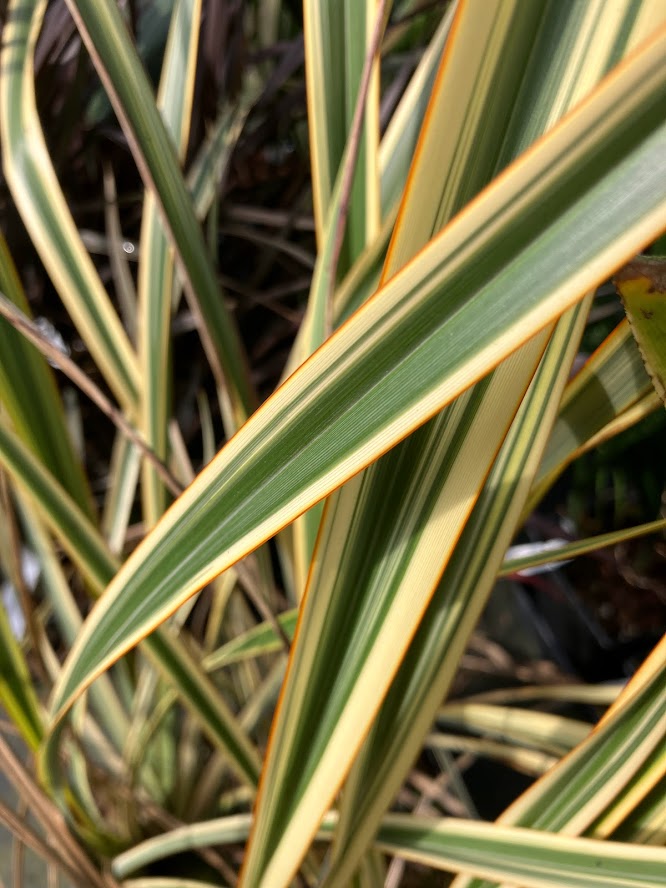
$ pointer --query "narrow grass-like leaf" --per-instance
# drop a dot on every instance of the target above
(343, 32)
(325, 27)
(65, 519)
(373, 871)
(345, 634)
(199, 695)
(105, 701)
(522, 857)
(208, 167)
(626, 420)
(588, 196)
(536, 860)
(581, 547)
(222, 831)
(89, 552)
(156, 269)
(336, 41)
(122, 277)
(121, 491)
(430, 665)
(31, 396)
(168, 882)
(646, 781)
(592, 695)
(40, 201)
(432, 659)
(480, 76)
(294, 802)
(363, 278)
(576, 791)
(358, 619)
(16, 690)
(118, 65)
(527, 761)
(647, 822)
(364, 208)
(255, 642)
(396, 150)
(552, 733)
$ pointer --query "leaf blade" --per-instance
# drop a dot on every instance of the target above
(361, 408)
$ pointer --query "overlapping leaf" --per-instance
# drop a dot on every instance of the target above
(611, 389)
(573, 794)
(31, 397)
(90, 554)
(538, 859)
(156, 266)
(103, 30)
(586, 197)
(37, 194)
(388, 535)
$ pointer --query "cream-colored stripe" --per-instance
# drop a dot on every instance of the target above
(436, 542)
(476, 367)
